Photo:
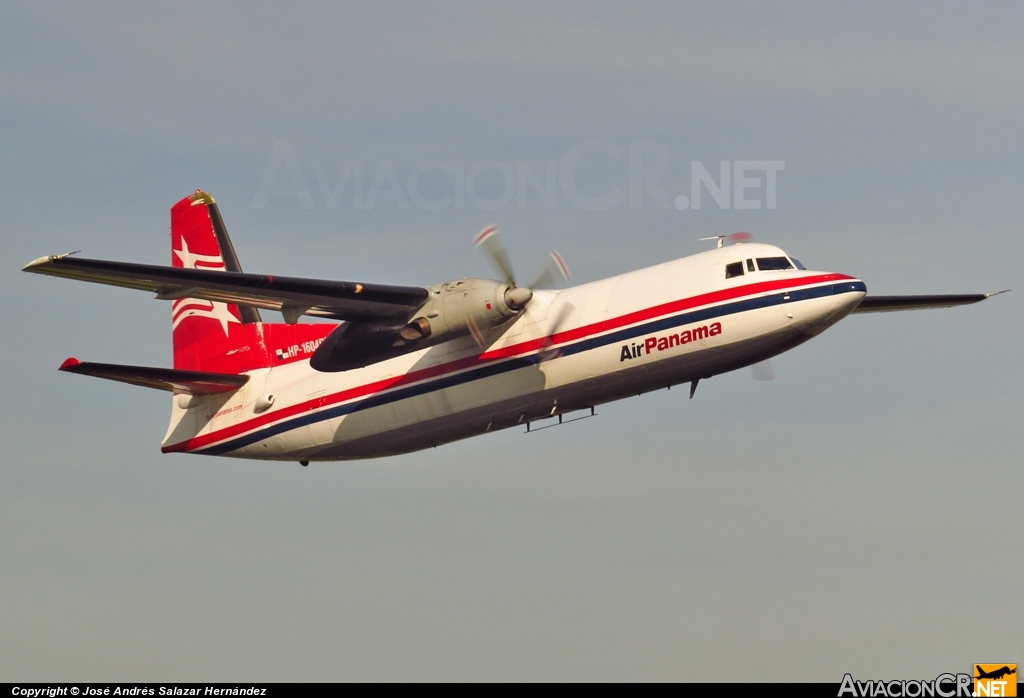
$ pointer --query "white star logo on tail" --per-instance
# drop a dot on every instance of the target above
(197, 307)
(191, 260)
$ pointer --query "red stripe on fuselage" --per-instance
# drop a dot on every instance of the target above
(526, 347)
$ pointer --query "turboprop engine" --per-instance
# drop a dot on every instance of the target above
(471, 305)
(452, 309)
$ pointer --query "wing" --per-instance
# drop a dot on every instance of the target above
(190, 382)
(886, 304)
(339, 300)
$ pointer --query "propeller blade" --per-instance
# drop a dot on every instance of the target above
(554, 271)
(478, 336)
(489, 242)
(763, 371)
(546, 352)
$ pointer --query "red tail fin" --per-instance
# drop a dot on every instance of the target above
(223, 337)
(208, 336)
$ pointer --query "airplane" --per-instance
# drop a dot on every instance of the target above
(406, 368)
(996, 674)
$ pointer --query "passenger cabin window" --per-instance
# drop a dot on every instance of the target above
(750, 265)
(773, 263)
(734, 269)
(799, 266)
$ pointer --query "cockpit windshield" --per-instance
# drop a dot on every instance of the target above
(799, 266)
(733, 270)
(773, 263)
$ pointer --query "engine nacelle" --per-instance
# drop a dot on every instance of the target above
(447, 314)
(452, 305)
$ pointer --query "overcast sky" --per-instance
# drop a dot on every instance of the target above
(854, 515)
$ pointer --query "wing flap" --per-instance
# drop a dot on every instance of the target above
(888, 304)
(338, 300)
(190, 382)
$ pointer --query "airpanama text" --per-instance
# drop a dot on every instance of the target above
(635, 350)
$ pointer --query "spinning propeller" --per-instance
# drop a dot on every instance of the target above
(554, 271)
(546, 352)
(490, 243)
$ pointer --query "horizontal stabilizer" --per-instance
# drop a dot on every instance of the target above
(339, 300)
(886, 304)
(190, 382)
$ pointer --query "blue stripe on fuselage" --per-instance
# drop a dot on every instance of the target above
(514, 364)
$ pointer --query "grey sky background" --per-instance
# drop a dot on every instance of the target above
(856, 514)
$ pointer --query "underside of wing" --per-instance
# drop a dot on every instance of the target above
(886, 304)
(189, 382)
(338, 300)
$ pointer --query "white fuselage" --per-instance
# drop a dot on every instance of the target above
(567, 351)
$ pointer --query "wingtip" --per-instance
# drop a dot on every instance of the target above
(36, 263)
(43, 261)
(1005, 290)
(69, 363)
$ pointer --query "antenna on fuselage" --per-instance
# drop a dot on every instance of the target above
(720, 238)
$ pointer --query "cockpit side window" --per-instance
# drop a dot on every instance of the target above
(750, 265)
(734, 269)
(773, 263)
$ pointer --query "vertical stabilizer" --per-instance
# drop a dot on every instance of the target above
(248, 314)
(209, 336)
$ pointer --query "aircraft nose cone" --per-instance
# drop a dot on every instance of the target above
(518, 297)
(848, 294)
(824, 312)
